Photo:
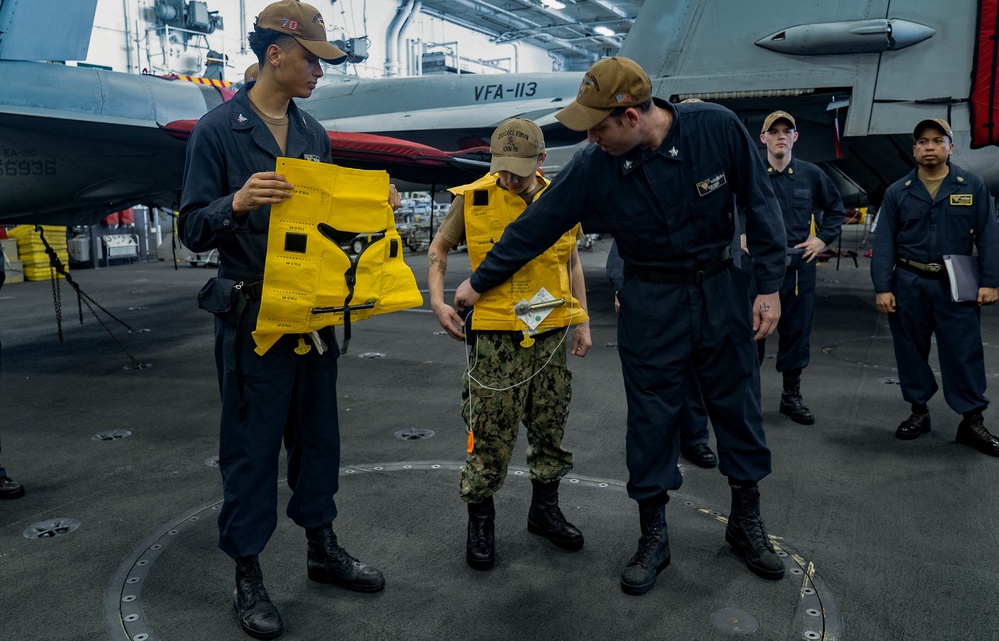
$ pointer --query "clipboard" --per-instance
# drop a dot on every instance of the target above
(963, 273)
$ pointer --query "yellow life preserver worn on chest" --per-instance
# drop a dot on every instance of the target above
(309, 280)
(488, 210)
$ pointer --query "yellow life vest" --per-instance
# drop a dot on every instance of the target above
(309, 279)
(488, 210)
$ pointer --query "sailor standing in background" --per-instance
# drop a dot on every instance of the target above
(802, 189)
(935, 210)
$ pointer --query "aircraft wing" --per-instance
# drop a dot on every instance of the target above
(71, 172)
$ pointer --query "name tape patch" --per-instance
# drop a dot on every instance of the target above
(961, 200)
(705, 187)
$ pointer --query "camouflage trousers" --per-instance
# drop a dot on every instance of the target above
(500, 392)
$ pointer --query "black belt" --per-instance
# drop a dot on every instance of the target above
(252, 291)
(929, 270)
(676, 277)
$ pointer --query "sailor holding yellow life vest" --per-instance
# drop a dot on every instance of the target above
(283, 394)
(517, 357)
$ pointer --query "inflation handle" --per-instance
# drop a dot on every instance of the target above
(523, 308)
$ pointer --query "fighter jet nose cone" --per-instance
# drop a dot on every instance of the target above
(903, 33)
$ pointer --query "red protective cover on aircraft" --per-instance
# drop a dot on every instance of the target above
(373, 147)
(346, 144)
(985, 81)
(404, 159)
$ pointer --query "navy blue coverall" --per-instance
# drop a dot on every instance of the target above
(801, 189)
(915, 227)
(280, 395)
(693, 418)
(671, 212)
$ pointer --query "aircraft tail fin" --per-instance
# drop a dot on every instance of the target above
(19, 24)
(654, 37)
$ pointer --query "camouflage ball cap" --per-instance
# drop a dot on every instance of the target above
(515, 146)
(305, 24)
(608, 84)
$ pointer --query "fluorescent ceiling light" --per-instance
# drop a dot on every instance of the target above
(604, 31)
(553, 4)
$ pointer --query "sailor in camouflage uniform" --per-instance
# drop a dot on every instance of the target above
(517, 362)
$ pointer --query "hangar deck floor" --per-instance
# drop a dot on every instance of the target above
(885, 539)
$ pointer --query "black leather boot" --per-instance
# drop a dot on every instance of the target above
(10, 489)
(972, 432)
(257, 615)
(545, 518)
(747, 536)
(916, 425)
(480, 547)
(653, 555)
(327, 562)
(791, 404)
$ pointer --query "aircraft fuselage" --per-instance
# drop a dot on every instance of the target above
(451, 112)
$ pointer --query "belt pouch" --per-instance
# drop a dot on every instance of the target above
(219, 296)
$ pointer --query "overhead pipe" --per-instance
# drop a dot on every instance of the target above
(417, 6)
(411, 67)
(243, 28)
(128, 36)
(402, 14)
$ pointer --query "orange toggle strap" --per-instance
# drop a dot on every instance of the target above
(471, 442)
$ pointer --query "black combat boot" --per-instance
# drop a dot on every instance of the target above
(327, 562)
(972, 432)
(790, 399)
(546, 519)
(652, 557)
(10, 489)
(916, 425)
(481, 544)
(257, 615)
(747, 536)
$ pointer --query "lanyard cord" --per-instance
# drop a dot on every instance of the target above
(470, 366)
